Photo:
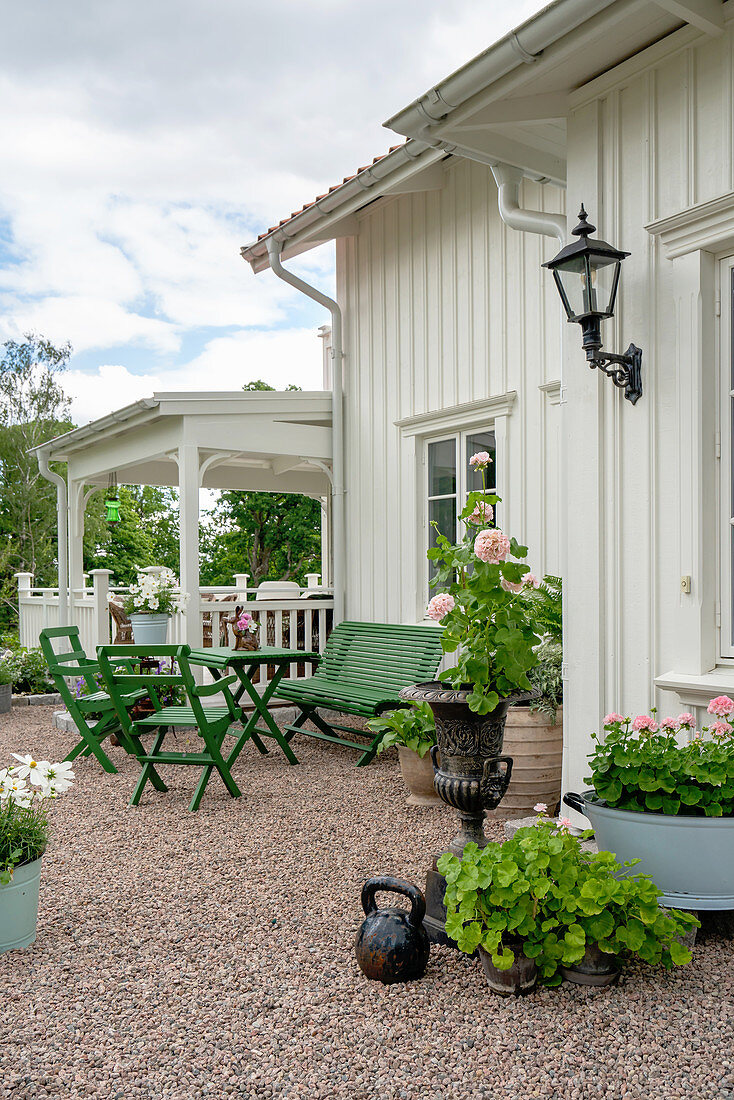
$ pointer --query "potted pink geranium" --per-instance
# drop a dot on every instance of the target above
(663, 793)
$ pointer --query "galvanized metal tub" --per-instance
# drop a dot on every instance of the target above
(691, 859)
(19, 907)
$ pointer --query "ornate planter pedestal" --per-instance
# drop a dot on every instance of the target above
(472, 775)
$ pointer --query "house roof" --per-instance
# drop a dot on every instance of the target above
(508, 105)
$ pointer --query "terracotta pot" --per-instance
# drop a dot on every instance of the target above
(595, 968)
(519, 979)
(536, 748)
(417, 773)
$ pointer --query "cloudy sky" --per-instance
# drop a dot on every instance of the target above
(144, 142)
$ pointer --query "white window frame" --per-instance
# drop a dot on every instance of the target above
(725, 449)
(459, 438)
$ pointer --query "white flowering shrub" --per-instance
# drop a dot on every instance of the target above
(155, 594)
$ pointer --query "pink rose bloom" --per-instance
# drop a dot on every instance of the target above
(531, 581)
(440, 605)
(686, 719)
(669, 724)
(643, 722)
(512, 586)
(721, 729)
(612, 717)
(481, 459)
(491, 545)
(721, 706)
(564, 824)
(483, 513)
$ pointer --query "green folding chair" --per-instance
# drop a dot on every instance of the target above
(211, 722)
(93, 714)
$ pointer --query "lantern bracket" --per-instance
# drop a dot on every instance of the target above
(626, 373)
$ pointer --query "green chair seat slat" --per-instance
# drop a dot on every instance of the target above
(180, 716)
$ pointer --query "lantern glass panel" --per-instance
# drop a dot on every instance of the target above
(603, 284)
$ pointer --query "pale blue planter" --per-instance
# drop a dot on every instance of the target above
(149, 629)
(19, 907)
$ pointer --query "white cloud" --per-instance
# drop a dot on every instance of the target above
(143, 143)
(280, 358)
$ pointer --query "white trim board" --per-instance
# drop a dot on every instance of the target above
(458, 417)
(707, 226)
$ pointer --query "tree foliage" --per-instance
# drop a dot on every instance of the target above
(33, 409)
(147, 533)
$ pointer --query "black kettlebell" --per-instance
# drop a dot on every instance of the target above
(392, 945)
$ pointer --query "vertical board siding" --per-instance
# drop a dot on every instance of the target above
(655, 145)
(443, 305)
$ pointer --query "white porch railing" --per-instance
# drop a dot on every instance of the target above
(297, 622)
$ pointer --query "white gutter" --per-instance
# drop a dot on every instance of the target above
(275, 245)
(62, 518)
(529, 221)
(94, 427)
(523, 46)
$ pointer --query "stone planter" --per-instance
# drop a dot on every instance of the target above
(417, 773)
(536, 748)
(6, 698)
(19, 907)
(595, 968)
(691, 859)
(521, 978)
(149, 629)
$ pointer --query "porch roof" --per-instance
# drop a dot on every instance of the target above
(259, 441)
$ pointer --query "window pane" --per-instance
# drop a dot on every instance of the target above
(442, 468)
(442, 512)
(481, 441)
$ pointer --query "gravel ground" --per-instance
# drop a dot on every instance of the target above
(210, 955)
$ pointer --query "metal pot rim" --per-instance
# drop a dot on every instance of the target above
(435, 691)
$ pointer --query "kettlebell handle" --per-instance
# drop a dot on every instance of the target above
(395, 886)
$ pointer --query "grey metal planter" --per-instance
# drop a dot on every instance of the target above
(691, 859)
(19, 907)
(6, 698)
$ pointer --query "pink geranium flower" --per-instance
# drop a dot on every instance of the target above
(643, 722)
(564, 824)
(721, 706)
(686, 719)
(512, 586)
(483, 513)
(440, 605)
(669, 724)
(492, 545)
(612, 717)
(721, 729)
(540, 807)
(481, 460)
(531, 581)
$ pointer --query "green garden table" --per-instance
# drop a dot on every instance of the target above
(244, 663)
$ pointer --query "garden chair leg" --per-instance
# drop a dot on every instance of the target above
(148, 774)
(222, 767)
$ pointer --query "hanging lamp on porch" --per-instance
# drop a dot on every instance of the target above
(112, 501)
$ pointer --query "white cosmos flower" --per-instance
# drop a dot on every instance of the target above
(59, 778)
(29, 768)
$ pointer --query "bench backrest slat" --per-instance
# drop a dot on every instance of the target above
(376, 659)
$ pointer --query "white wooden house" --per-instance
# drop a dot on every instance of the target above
(446, 331)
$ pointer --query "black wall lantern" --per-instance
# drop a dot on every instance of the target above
(587, 277)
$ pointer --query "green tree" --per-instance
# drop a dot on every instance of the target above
(33, 409)
(147, 533)
(274, 536)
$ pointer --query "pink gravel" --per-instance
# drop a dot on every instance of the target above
(210, 955)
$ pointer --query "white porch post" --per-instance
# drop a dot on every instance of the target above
(76, 537)
(326, 573)
(24, 590)
(100, 595)
(188, 484)
(241, 581)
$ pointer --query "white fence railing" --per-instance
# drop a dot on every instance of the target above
(301, 621)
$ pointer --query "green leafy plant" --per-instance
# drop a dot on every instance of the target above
(412, 727)
(487, 622)
(547, 679)
(542, 892)
(155, 593)
(546, 602)
(25, 791)
(27, 670)
(6, 676)
(639, 765)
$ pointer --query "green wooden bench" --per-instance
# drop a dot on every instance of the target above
(211, 722)
(361, 672)
(93, 714)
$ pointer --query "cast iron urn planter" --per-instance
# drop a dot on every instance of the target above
(470, 774)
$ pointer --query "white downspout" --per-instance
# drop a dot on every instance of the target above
(62, 525)
(337, 420)
(530, 221)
